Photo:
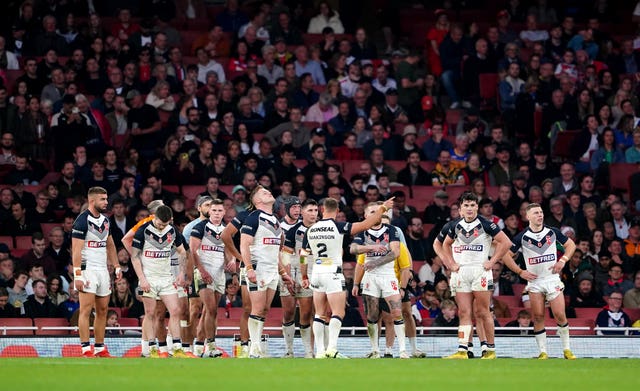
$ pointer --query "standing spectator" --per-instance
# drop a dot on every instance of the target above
(49, 39)
(327, 17)
(435, 36)
(231, 18)
(286, 30)
(452, 53)
(410, 83)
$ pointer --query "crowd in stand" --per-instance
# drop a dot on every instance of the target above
(135, 109)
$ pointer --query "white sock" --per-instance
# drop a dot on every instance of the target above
(541, 340)
(145, 347)
(335, 324)
(318, 335)
(463, 337)
(563, 333)
(388, 350)
(326, 336)
(305, 336)
(372, 330)
(398, 327)
(412, 342)
(198, 349)
(255, 324)
(176, 346)
(288, 331)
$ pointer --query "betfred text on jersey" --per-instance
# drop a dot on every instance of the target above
(468, 247)
(96, 244)
(205, 247)
(542, 259)
(271, 241)
(157, 254)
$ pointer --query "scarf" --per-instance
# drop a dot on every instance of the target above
(614, 282)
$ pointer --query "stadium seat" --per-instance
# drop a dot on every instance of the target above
(510, 301)
(8, 240)
(426, 228)
(129, 322)
(13, 351)
(10, 77)
(428, 166)
(493, 192)
(588, 313)
(453, 117)
(634, 313)
(47, 227)
(23, 242)
(397, 165)
(517, 290)
(619, 174)
(19, 252)
(564, 142)
(192, 192)
(43, 325)
(172, 188)
(455, 191)
(71, 350)
(488, 85)
(417, 265)
(24, 326)
(582, 322)
(352, 168)
(226, 189)
(51, 176)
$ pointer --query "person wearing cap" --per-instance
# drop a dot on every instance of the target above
(438, 212)
(541, 169)
(502, 170)
(538, 244)
(585, 295)
(393, 112)
(239, 197)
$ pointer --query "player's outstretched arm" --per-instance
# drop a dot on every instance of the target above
(372, 219)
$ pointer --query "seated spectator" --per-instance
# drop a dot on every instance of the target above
(613, 317)
(438, 212)
(231, 297)
(38, 305)
(20, 223)
(585, 296)
(573, 269)
(70, 306)
(55, 290)
(7, 310)
(632, 297)
(616, 281)
(447, 318)
(121, 296)
(427, 306)
(413, 174)
(523, 320)
(112, 321)
(444, 172)
(441, 284)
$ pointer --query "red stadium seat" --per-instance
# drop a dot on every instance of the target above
(129, 322)
(192, 192)
(117, 310)
(619, 174)
(588, 313)
(47, 227)
(634, 313)
(23, 242)
(426, 228)
(488, 86)
(24, 326)
(417, 265)
(564, 142)
(510, 301)
(8, 240)
(43, 323)
(19, 351)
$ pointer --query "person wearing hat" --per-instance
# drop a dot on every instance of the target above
(393, 112)
(291, 212)
(239, 196)
(438, 213)
(502, 170)
(539, 244)
(585, 294)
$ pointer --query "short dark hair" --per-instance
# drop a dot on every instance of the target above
(468, 196)
(164, 213)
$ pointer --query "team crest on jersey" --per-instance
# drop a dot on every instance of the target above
(539, 244)
(475, 232)
(386, 237)
(483, 282)
(548, 239)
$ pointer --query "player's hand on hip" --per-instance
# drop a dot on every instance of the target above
(528, 275)
(251, 276)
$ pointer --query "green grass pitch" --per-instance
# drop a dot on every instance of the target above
(301, 374)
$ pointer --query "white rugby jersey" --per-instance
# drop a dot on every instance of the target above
(175, 258)
(94, 230)
(211, 250)
(155, 247)
(267, 236)
(323, 240)
(293, 239)
(539, 249)
(382, 236)
(472, 241)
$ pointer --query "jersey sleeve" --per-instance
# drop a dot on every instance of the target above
(343, 227)
(251, 223)
(305, 242)
(138, 238)
(80, 227)
(393, 234)
(450, 230)
(179, 238)
(237, 222)
(359, 239)
(562, 238)
(401, 236)
(516, 243)
(361, 258)
(490, 227)
(198, 230)
(290, 237)
(443, 232)
(185, 244)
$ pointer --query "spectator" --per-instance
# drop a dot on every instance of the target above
(326, 17)
(17, 293)
(523, 321)
(616, 281)
(451, 56)
(613, 317)
(410, 83)
(21, 223)
(231, 298)
(632, 296)
(362, 48)
(231, 18)
(7, 310)
(502, 171)
(438, 212)
(444, 173)
(38, 256)
(39, 305)
(427, 306)
(285, 30)
(6, 267)
(585, 296)
(502, 282)
(70, 307)
(417, 244)
(55, 290)
(447, 318)
(413, 174)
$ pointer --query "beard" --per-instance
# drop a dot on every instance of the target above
(101, 210)
(206, 215)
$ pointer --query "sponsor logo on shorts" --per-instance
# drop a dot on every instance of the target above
(96, 244)
(468, 247)
(157, 254)
(542, 259)
(271, 241)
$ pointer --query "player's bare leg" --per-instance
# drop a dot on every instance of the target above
(87, 301)
(558, 308)
(337, 302)
(149, 325)
(484, 316)
(196, 316)
(395, 305)
(288, 324)
(102, 306)
(319, 321)
(260, 304)
(372, 311)
(161, 329)
(185, 328)
(244, 320)
(410, 329)
(208, 322)
(306, 318)
(173, 306)
(481, 334)
(464, 300)
(389, 334)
